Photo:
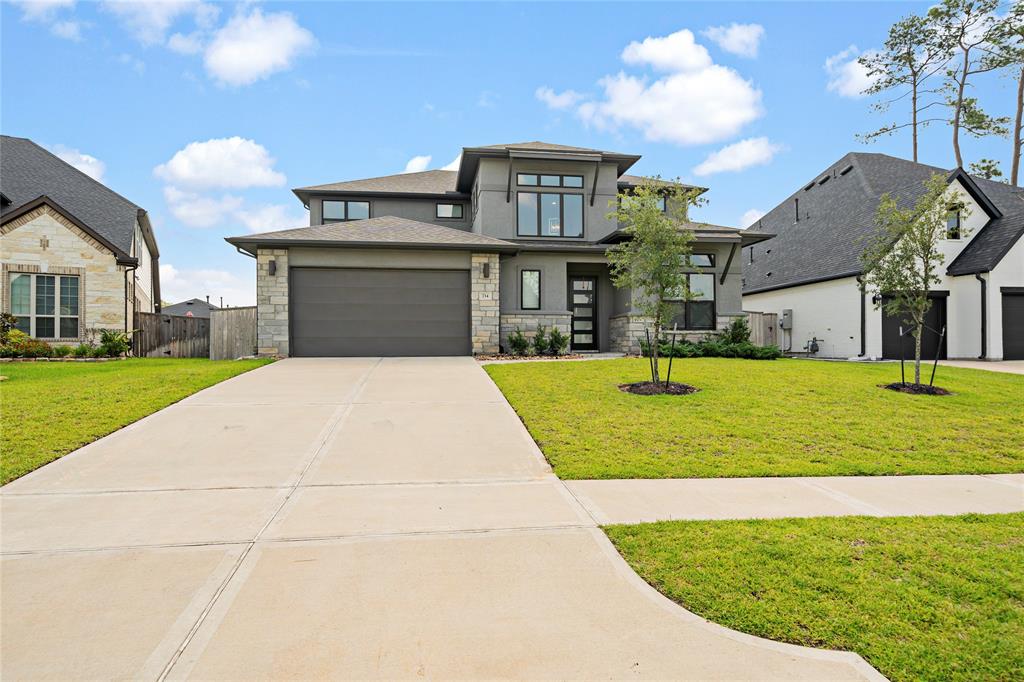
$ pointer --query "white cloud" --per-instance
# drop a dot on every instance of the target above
(739, 39)
(149, 21)
(417, 164)
(42, 10)
(69, 30)
(557, 100)
(181, 43)
(253, 46)
(675, 52)
(180, 285)
(197, 210)
(231, 162)
(750, 217)
(846, 76)
(755, 151)
(86, 163)
(268, 217)
(454, 165)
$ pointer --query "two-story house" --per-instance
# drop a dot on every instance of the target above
(75, 256)
(811, 273)
(450, 262)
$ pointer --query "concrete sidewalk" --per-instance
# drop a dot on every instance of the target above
(645, 500)
(1005, 366)
(339, 518)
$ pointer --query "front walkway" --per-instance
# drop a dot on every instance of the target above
(354, 518)
(1007, 366)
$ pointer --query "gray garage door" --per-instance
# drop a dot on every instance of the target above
(1013, 325)
(357, 312)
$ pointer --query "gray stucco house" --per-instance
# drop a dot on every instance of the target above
(450, 262)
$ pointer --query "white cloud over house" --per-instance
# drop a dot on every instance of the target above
(847, 77)
(86, 163)
(557, 100)
(229, 162)
(417, 164)
(253, 46)
(750, 217)
(743, 40)
(754, 151)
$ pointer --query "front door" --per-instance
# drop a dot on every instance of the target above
(893, 347)
(583, 301)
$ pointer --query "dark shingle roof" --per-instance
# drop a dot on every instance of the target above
(424, 182)
(27, 171)
(197, 306)
(837, 218)
(383, 231)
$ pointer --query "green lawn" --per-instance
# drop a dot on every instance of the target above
(48, 409)
(765, 418)
(920, 598)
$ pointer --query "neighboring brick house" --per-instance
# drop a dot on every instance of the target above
(450, 262)
(75, 256)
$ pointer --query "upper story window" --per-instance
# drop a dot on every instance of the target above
(549, 215)
(953, 223)
(662, 206)
(449, 211)
(702, 260)
(535, 180)
(46, 306)
(346, 210)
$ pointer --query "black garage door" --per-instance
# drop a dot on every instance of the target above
(360, 312)
(935, 319)
(1013, 325)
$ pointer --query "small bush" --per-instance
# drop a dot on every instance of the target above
(61, 351)
(82, 350)
(540, 341)
(114, 343)
(557, 341)
(738, 331)
(714, 348)
(7, 323)
(98, 352)
(30, 348)
(518, 343)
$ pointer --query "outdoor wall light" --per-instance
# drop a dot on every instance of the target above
(487, 270)
(876, 299)
(273, 267)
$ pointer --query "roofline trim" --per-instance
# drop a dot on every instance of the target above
(44, 200)
(299, 191)
(814, 280)
(972, 188)
(244, 242)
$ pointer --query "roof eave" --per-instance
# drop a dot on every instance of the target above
(250, 245)
(41, 200)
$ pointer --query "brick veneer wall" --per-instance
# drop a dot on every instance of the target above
(484, 303)
(272, 302)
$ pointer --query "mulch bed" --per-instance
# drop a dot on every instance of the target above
(915, 389)
(506, 356)
(651, 388)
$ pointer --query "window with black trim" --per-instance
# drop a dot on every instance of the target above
(662, 205)
(549, 215)
(529, 289)
(546, 180)
(702, 260)
(449, 211)
(336, 211)
(953, 223)
(699, 311)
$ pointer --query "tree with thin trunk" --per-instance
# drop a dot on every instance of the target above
(653, 259)
(911, 56)
(1007, 54)
(969, 28)
(904, 258)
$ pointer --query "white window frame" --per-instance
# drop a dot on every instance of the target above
(57, 317)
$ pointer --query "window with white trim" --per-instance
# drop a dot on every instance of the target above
(46, 306)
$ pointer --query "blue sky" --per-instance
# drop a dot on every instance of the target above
(272, 96)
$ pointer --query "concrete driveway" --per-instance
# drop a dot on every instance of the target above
(339, 518)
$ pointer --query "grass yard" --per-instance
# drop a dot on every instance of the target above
(920, 598)
(48, 409)
(765, 418)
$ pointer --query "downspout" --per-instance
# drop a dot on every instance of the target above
(246, 253)
(127, 269)
(863, 318)
(984, 315)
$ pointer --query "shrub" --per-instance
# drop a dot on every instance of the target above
(114, 343)
(61, 351)
(98, 352)
(738, 331)
(714, 348)
(540, 341)
(518, 343)
(82, 350)
(557, 341)
(31, 348)
(7, 322)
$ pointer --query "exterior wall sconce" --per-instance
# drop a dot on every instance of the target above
(876, 299)
(273, 267)
(487, 270)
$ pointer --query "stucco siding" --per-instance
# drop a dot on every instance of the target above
(1009, 273)
(423, 210)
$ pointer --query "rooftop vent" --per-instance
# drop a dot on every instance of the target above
(809, 186)
(846, 170)
(824, 180)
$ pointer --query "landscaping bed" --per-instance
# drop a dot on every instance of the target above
(53, 408)
(755, 418)
(920, 598)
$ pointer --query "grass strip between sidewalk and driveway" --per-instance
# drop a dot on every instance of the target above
(48, 409)
(765, 418)
(920, 598)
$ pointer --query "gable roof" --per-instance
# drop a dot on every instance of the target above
(537, 150)
(379, 232)
(837, 217)
(431, 182)
(28, 172)
(197, 306)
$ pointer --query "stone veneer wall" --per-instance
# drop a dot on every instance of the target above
(68, 251)
(527, 322)
(484, 303)
(626, 330)
(272, 303)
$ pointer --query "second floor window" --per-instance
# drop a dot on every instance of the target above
(449, 211)
(549, 215)
(346, 210)
(533, 180)
(953, 224)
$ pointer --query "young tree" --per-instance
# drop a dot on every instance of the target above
(969, 28)
(1007, 53)
(910, 57)
(652, 262)
(903, 260)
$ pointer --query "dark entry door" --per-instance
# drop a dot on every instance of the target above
(1013, 325)
(930, 347)
(583, 299)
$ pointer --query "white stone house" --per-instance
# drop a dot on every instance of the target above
(75, 256)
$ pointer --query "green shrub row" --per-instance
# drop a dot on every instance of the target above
(731, 342)
(15, 343)
(542, 343)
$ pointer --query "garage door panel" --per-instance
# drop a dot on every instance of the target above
(339, 312)
(1013, 325)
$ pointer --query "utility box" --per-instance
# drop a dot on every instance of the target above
(787, 319)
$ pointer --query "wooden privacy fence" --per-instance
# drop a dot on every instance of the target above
(170, 336)
(232, 333)
(764, 329)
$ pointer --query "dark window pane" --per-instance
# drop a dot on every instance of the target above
(582, 325)
(702, 314)
(573, 215)
(583, 338)
(953, 225)
(527, 214)
(582, 312)
(449, 210)
(45, 293)
(358, 210)
(583, 284)
(527, 179)
(69, 327)
(21, 295)
(334, 210)
(550, 220)
(69, 296)
(24, 324)
(572, 181)
(44, 328)
(702, 260)
(531, 289)
(550, 180)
